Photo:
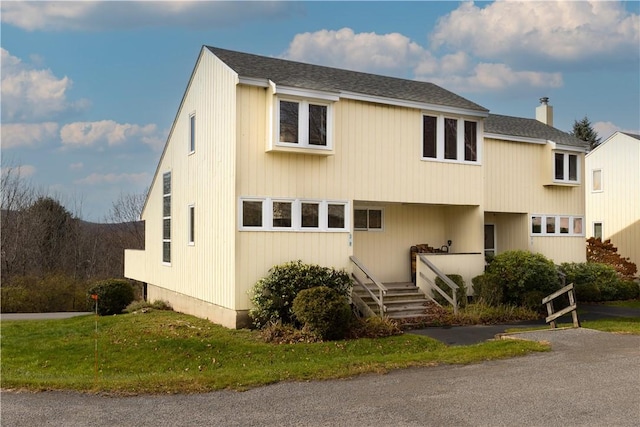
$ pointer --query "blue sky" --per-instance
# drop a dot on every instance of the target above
(90, 89)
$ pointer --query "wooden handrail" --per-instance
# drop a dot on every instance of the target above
(382, 289)
(548, 300)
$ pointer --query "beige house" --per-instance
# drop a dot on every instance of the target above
(613, 193)
(270, 161)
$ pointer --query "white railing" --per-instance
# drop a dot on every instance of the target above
(431, 286)
(380, 288)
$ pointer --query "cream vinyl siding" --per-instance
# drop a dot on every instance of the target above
(516, 174)
(205, 271)
(617, 206)
(258, 251)
(517, 177)
(512, 230)
(377, 157)
(386, 253)
(560, 249)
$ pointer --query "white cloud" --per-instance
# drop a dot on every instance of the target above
(495, 77)
(113, 178)
(76, 166)
(86, 134)
(370, 52)
(565, 31)
(30, 94)
(28, 134)
(396, 54)
(26, 171)
(95, 16)
(606, 129)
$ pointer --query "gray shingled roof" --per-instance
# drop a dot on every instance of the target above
(316, 77)
(529, 128)
(632, 135)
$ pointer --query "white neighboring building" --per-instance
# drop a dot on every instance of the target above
(613, 193)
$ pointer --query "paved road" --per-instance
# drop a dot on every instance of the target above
(590, 378)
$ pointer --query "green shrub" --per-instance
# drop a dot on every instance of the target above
(587, 292)
(323, 311)
(114, 295)
(597, 282)
(461, 293)
(627, 290)
(273, 295)
(486, 291)
(518, 273)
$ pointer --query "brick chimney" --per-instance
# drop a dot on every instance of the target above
(544, 112)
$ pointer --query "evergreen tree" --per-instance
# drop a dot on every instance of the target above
(584, 131)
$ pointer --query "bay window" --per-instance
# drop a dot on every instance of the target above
(304, 124)
(566, 168)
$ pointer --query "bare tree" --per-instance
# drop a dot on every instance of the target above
(125, 215)
(17, 194)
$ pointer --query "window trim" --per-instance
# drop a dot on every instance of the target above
(192, 133)
(544, 218)
(367, 209)
(191, 218)
(460, 147)
(166, 218)
(593, 229)
(565, 168)
(303, 123)
(296, 214)
(593, 171)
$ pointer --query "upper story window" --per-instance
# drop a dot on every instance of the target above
(304, 124)
(450, 139)
(192, 133)
(566, 168)
(596, 180)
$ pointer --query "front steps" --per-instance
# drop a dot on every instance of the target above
(404, 301)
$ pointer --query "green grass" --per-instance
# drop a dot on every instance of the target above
(619, 325)
(167, 352)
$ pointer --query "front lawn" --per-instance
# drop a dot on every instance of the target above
(168, 352)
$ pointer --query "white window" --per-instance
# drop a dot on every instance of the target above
(556, 225)
(192, 133)
(449, 139)
(166, 217)
(368, 219)
(192, 224)
(304, 124)
(252, 214)
(566, 168)
(597, 230)
(596, 180)
(281, 214)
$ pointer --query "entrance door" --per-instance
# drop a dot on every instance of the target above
(489, 239)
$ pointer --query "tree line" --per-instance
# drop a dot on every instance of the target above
(43, 243)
